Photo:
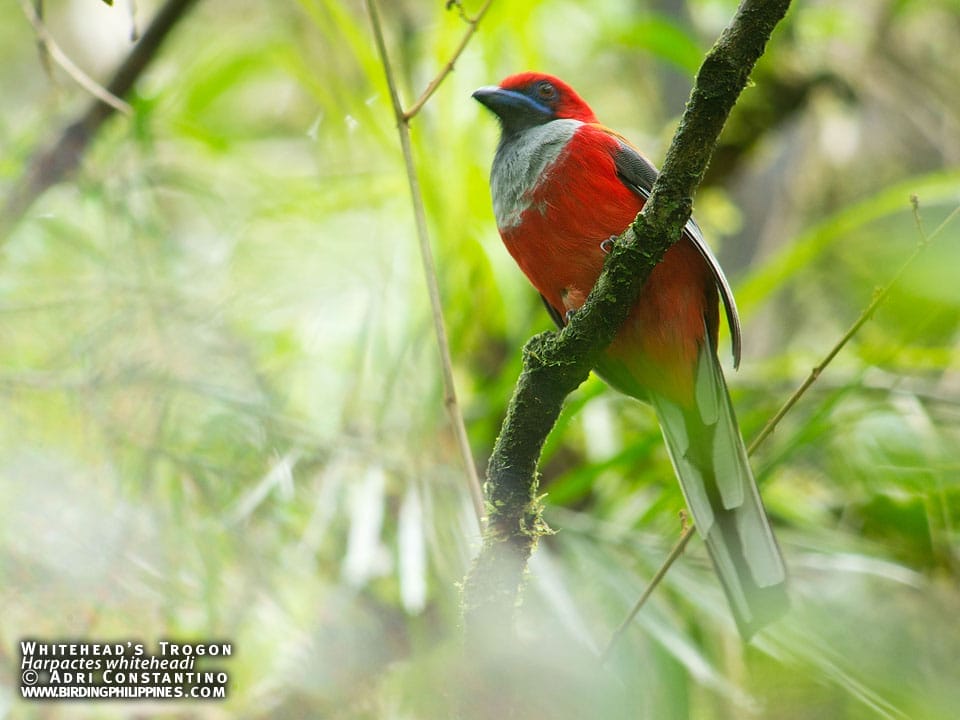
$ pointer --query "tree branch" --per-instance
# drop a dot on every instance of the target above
(62, 158)
(554, 364)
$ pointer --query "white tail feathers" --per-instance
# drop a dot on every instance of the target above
(708, 455)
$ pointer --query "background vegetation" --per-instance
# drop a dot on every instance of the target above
(222, 403)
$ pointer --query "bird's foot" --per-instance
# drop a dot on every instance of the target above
(607, 245)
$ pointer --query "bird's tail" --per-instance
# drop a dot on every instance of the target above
(708, 455)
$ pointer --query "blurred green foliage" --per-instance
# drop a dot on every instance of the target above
(223, 413)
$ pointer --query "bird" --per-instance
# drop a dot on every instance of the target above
(563, 188)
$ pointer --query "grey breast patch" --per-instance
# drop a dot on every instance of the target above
(519, 163)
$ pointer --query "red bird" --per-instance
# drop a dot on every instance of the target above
(562, 186)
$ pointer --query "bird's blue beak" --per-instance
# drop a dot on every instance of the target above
(515, 110)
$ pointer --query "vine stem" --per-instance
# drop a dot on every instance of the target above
(403, 118)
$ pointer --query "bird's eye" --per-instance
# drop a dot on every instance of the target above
(546, 91)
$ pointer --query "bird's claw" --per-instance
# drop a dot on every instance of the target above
(569, 316)
(607, 245)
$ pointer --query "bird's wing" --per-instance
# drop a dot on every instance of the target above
(639, 174)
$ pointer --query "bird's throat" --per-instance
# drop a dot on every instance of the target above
(522, 161)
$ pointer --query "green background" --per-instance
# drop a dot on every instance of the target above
(222, 408)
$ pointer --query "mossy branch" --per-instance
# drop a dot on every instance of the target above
(555, 364)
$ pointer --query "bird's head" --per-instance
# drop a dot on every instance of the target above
(529, 99)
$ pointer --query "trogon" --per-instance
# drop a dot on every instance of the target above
(563, 185)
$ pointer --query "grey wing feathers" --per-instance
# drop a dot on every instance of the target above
(639, 174)
(726, 293)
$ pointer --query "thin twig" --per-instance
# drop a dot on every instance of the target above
(429, 268)
(42, 50)
(432, 86)
(676, 552)
(879, 296)
(53, 51)
(53, 164)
